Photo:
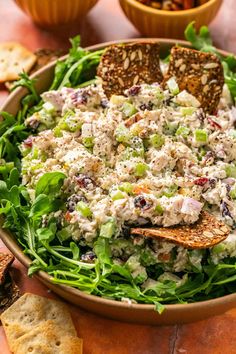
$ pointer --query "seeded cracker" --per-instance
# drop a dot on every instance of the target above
(14, 59)
(205, 233)
(6, 259)
(201, 74)
(123, 66)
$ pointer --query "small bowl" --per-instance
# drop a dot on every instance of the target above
(55, 12)
(168, 24)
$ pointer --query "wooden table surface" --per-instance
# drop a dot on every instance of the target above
(216, 335)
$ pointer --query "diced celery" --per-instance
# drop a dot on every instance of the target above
(35, 153)
(46, 118)
(36, 167)
(202, 151)
(64, 234)
(108, 229)
(126, 187)
(187, 111)
(117, 195)
(73, 123)
(158, 209)
(140, 169)
(49, 108)
(183, 131)
(84, 209)
(129, 153)
(169, 192)
(117, 100)
(233, 133)
(170, 128)
(122, 134)
(88, 142)
(159, 93)
(232, 193)
(218, 248)
(157, 140)
(230, 171)
(138, 147)
(173, 86)
(59, 127)
(129, 109)
(201, 136)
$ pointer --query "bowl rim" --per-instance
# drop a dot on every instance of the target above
(152, 10)
(10, 240)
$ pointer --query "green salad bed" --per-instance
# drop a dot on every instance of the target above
(49, 246)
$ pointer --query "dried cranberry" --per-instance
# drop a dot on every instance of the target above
(225, 210)
(28, 142)
(201, 181)
(134, 90)
(209, 158)
(212, 182)
(213, 123)
(88, 257)
(84, 181)
(80, 97)
(141, 202)
(104, 103)
(148, 106)
(33, 123)
(73, 200)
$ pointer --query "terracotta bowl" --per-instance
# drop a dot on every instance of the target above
(117, 310)
(169, 24)
(55, 12)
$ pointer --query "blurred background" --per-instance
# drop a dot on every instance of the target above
(105, 21)
(45, 26)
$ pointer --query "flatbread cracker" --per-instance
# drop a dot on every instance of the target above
(206, 232)
(29, 312)
(14, 59)
(123, 66)
(48, 338)
(6, 259)
(199, 73)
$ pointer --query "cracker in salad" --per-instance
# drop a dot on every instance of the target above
(199, 73)
(123, 66)
(206, 232)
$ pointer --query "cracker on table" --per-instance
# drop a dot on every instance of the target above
(206, 232)
(14, 58)
(48, 338)
(199, 73)
(29, 311)
(125, 65)
(6, 259)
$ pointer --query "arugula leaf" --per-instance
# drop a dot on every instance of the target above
(103, 253)
(201, 41)
(47, 234)
(50, 184)
(28, 83)
(159, 307)
(75, 251)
